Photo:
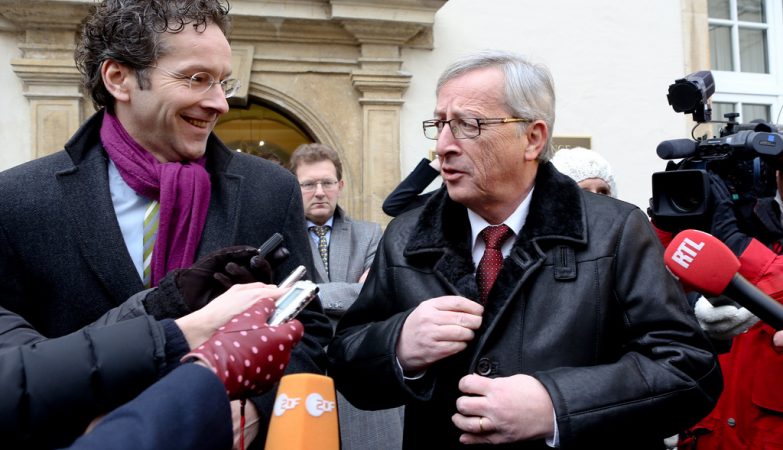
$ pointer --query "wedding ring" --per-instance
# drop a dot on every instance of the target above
(481, 425)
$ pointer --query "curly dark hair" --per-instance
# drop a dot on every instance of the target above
(129, 32)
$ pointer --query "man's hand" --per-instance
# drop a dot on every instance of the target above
(215, 273)
(503, 410)
(199, 325)
(436, 329)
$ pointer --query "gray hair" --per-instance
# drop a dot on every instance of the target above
(530, 90)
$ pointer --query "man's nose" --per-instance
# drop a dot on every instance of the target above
(215, 98)
(445, 143)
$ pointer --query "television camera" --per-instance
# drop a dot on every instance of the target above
(744, 156)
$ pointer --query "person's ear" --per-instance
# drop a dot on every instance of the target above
(537, 136)
(117, 79)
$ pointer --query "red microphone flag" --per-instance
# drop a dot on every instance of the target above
(701, 261)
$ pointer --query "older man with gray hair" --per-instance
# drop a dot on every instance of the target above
(514, 308)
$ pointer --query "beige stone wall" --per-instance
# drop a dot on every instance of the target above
(335, 65)
(696, 37)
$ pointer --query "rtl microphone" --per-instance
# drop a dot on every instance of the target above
(305, 414)
(706, 264)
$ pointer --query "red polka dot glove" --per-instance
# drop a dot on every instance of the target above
(248, 355)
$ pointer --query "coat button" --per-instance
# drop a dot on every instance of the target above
(731, 422)
(484, 367)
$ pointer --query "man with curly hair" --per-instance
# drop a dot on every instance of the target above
(144, 187)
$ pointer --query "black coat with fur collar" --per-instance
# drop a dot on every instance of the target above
(583, 303)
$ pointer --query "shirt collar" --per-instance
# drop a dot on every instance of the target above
(328, 223)
(515, 221)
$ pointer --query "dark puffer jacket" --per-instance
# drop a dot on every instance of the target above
(52, 389)
(583, 303)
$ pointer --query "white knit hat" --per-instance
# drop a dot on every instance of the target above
(581, 163)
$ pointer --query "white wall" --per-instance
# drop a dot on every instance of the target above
(612, 63)
(15, 117)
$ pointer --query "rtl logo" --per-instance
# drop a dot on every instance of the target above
(686, 252)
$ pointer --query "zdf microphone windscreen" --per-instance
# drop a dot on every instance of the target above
(304, 415)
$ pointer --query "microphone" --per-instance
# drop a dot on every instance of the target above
(703, 262)
(676, 149)
(305, 414)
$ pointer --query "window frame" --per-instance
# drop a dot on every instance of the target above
(746, 87)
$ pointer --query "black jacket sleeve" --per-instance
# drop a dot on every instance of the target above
(406, 195)
(52, 389)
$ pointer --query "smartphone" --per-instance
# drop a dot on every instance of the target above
(293, 277)
(270, 244)
(293, 301)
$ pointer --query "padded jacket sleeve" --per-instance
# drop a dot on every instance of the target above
(52, 389)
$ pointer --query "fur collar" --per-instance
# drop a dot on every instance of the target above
(557, 212)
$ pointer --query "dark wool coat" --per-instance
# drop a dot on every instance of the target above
(583, 303)
(64, 262)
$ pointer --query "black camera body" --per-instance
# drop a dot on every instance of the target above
(745, 157)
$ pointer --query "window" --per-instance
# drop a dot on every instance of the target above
(738, 35)
(745, 39)
(748, 111)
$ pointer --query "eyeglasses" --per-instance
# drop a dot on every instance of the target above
(463, 128)
(201, 82)
(326, 185)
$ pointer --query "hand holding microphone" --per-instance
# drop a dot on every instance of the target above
(706, 264)
(248, 355)
(723, 321)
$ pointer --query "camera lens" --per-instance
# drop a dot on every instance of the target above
(685, 201)
(686, 191)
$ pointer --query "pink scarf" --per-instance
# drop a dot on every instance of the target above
(182, 188)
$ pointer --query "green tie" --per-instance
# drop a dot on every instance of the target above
(323, 246)
(151, 216)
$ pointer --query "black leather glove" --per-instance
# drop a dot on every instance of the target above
(183, 291)
(724, 223)
(218, 271)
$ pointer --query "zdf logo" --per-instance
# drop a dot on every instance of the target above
(283, 403)
(315, 404)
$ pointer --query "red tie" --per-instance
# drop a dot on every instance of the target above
(492, 261)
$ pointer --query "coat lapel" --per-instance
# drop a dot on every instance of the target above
(88, 204)
(339, 253)
(220, 229)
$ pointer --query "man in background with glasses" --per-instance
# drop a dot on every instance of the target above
(515, 308)
(145, 188)
(343, 250)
